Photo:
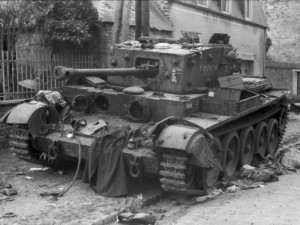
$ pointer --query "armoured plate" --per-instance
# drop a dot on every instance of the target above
(176, 136)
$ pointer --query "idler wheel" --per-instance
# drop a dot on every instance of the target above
(247, 138)
(209, 176)
(230, 145)
(261, 138)
(273, 135)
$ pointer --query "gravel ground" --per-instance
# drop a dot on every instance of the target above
(80, 205)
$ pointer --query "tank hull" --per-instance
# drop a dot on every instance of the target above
(173, 140)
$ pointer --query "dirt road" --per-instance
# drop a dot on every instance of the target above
(275, 203)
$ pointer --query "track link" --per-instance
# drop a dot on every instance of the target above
(19, 144)
(4, 132)
(174, 175)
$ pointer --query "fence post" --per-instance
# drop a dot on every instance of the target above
(3, 78)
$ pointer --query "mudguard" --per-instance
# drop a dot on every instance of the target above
(38, 116)
(22, 113)
(191, 140)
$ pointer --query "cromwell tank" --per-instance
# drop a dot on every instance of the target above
(190, 117)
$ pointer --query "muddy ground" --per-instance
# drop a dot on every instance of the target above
(274, 203)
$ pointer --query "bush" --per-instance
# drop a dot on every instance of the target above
(66, 22)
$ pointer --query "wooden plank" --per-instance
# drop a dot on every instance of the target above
(125, 20)
(233, 81)
(116, 30)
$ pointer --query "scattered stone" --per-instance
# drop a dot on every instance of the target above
(28, 177)
(161, 216)
(233, 189)
(9, 215)
(124, 217)
(60, 172)
(160, 210)
(7, 185)
(9, 191)
(20, 173)
(53, 198)
(247, 184)
(39, 169)
(3, 198)
(248, 167)
(144, 218)
(291, 158)
(176, 203)
(205, 198)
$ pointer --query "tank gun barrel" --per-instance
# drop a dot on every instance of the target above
(62, 73)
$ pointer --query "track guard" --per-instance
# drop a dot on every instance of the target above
(22, 113)
(192, 140)
(38, 116)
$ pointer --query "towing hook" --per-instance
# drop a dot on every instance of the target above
(43, 156)
(135, 170)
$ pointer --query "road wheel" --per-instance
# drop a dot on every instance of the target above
(230, 146)
(273, 135)
(261, 138)
(247, 139)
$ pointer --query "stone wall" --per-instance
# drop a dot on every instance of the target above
(283, 18)
(164, 6)
(280, 74)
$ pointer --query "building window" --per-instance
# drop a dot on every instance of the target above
(248, 9)
(226, 6)
(202, 2)
(247, 68)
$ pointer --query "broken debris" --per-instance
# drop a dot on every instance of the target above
(9, 215)
(233, 189)
(9, 191)
(291, 158)
(141, 218)
(205, 198)
(39, 169)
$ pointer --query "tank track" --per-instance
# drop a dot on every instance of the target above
(173, 168)
(4, 131)
(19, 143)
(174, 177)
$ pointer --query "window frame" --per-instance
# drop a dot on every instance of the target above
(202, 5)
(248, 7)
(229, 2)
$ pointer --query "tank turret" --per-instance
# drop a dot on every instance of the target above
(168, 65)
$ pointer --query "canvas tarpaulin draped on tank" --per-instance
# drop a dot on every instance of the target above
(105, 167)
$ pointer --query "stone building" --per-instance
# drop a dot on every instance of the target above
(283, 64)
(283, 20)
